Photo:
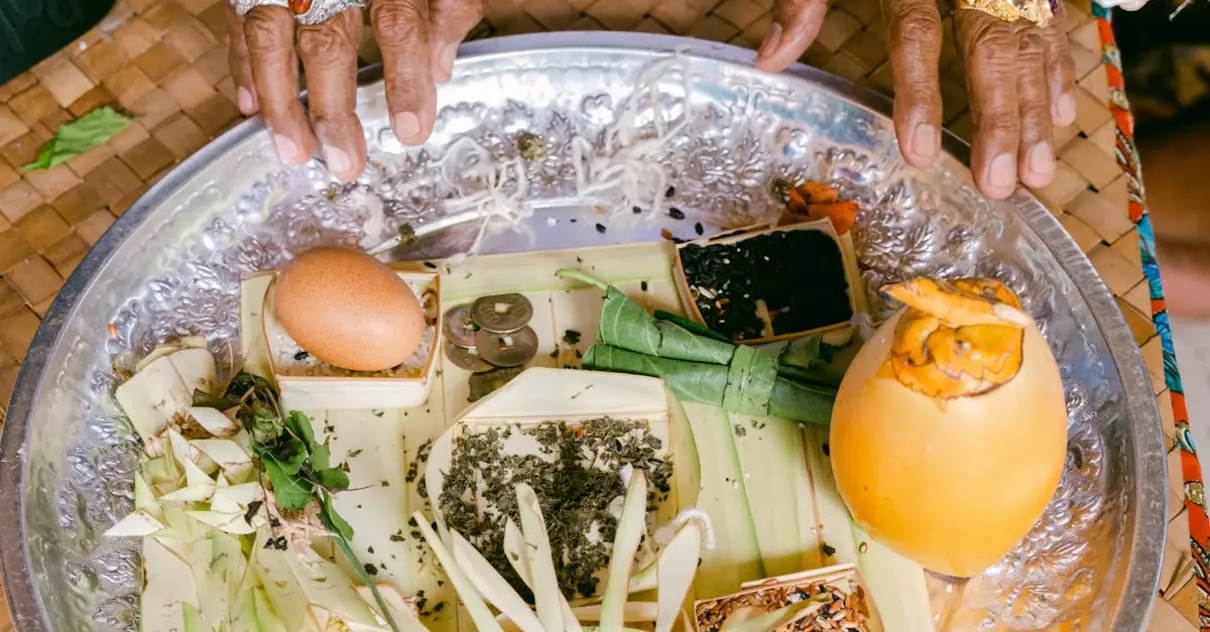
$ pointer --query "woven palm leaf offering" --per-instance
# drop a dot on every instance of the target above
(532, 553)
(575, 438)
(233, 504)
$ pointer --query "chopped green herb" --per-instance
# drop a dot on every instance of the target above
(297, 466)
(576, 476)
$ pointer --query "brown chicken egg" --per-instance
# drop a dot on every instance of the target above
(348, 309)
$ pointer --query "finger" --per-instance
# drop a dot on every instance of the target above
(451, 20)
(796, 24)
(915, 50)
(241, 68)
(329, 56)
(1133, 5)
(270, 34)
(1060, 70)
(1036, 163)
(989, 46)
(402, 30)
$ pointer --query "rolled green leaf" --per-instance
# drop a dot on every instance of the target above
(690, 381)
(783, 379)
(626, 325)
(705, 383)
(751, 379)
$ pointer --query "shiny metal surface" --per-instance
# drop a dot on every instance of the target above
(171, 266)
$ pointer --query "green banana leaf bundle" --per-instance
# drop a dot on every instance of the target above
(787, 379)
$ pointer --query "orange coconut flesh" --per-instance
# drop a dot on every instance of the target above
(810, 201)
(948, 435)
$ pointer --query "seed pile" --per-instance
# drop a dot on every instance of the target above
(777, 283)
(577, 477)
(835, 609)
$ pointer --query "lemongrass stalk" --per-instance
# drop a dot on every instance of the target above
(484, 621)
(492, 585)
(676, 566)
(621, 560)
(547, 598)
(514, 547)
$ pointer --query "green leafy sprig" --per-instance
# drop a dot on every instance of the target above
(299, 467)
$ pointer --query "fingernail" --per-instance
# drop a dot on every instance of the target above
(286, 149)
(1041, 160)
(926, 142)
(772, 39)
(1003, 172)
(1134, 5)
(1065, 109)
(407, 126)
(447, 61)
(247, 102)
(338, 161)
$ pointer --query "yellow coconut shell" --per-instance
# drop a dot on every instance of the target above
(953, 484)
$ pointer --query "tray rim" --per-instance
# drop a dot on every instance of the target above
(1147, 528)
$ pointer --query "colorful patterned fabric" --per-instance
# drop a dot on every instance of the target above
(1199, 523)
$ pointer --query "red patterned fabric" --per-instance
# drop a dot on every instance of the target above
(1127, 155)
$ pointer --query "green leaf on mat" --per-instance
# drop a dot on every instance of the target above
(78, 136)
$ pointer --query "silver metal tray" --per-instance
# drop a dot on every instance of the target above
(171, 265)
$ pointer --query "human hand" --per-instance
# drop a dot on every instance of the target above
(418, 38)
(1019, 77)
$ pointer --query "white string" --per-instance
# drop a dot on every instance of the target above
(491, 203)
(626, 164)
(634, 166)
(664, 534)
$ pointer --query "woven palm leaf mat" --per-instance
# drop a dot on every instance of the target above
(166, 61)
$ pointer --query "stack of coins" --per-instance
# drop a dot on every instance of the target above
(493, 332)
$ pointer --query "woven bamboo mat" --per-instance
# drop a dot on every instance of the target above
(166, 61)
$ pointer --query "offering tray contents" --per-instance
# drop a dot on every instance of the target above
(758, 495)
(557, 159)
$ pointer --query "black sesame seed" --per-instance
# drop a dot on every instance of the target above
(697, 228)
(676, 213)
(601, 228)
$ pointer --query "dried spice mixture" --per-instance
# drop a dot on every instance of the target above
(832, 608)
(576, 473)
(787, 281)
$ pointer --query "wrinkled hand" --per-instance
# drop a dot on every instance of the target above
(1019, 78)
(418, 38)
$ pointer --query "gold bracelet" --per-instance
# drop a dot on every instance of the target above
(1036, 11)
